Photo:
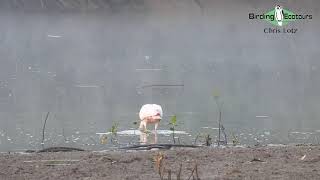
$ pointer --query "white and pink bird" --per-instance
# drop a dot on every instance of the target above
(150, 114)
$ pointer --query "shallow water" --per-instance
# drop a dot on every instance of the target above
(105, 140)
(138, 132)
(92, 67)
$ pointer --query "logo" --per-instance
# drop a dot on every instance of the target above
(279, 13)
(280, 17)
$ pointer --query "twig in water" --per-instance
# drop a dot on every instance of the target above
(221, 128)
(196, 139)
(178, 140)
(225, 141)
(64, 136)
(43, 129)
(208, 140)
(173, 137)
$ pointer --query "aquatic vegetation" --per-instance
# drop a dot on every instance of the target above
(235, 140)
(114, 131)
(219, 104)
(173, 121)
(173, 124)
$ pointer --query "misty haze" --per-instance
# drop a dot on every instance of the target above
(95, 63)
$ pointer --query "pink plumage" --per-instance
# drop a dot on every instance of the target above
(150, 113)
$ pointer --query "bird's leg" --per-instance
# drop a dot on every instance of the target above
(156, 127)
(143, 126)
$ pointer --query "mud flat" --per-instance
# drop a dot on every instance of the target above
(269, 162)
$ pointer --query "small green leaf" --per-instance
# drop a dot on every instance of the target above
(114, 128)
(173, 120)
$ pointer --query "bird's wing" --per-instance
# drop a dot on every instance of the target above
(158, 109)
(147, 110)
(150, 110)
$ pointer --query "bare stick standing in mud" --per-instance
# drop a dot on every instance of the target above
(43, 129)
(221, 128)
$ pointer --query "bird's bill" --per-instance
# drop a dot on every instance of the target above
(157, 117)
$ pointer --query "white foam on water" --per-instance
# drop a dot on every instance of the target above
(304, 133)
(207, 127)
(277, 145)
(267, 133)
(262, 116)
(54, 36)
(138, 132)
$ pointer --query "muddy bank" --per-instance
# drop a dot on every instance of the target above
(290, 162)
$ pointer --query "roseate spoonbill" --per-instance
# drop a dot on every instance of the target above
(150, 114)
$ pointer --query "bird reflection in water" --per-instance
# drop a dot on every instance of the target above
(149, 137)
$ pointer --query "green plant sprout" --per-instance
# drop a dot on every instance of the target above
(173, 121)
(173, 124)
(114, 130)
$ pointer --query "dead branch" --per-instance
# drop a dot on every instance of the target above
(43, 129)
